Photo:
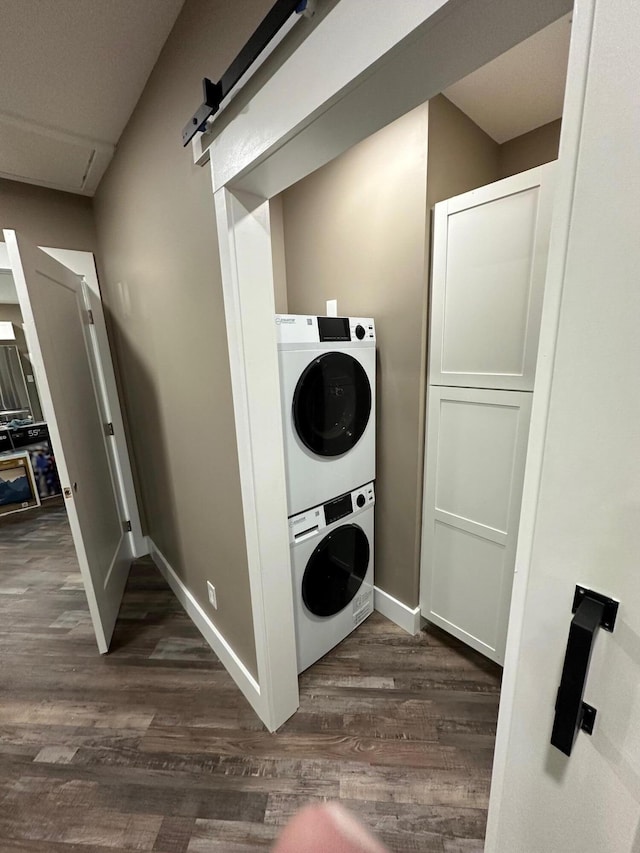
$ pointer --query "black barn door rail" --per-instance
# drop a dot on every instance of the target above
(592, 611)
(214, 93)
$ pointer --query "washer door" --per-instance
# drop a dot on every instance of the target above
(332, 404)
(335, 570)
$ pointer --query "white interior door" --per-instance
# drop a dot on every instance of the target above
(582, 487)
(474, 468)
(55, 322)
(489, 262)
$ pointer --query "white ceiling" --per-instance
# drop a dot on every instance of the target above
(72, 72)
(520, 90)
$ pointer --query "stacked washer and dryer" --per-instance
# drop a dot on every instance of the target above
(327, 380)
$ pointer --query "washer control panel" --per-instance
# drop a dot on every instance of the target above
(306, 524)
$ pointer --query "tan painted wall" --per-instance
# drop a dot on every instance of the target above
(531, 149)
(461, 155)
(358, 230)
(355, 230)
(161, 281)
(47, 217)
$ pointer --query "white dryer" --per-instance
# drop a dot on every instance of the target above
(328, 383)
(332, 571)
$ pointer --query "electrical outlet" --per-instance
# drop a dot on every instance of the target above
(213, 598)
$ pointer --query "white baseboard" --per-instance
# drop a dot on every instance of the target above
(229, 659)
(405, 617)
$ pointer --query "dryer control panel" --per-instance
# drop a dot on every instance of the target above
(306, 524)
(304, 329)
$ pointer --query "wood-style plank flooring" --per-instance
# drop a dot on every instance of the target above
(152, 747)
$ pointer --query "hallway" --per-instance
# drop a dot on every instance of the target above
(152, 747)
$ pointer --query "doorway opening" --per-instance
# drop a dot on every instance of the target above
(360, 231)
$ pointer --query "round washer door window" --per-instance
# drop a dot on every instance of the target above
(335, 570)
(332, 404)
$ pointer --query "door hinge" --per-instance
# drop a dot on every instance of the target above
(126, 526)
(108, 428)
(92, 322)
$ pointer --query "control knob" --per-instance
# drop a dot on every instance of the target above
(360, 332)
(361, 500)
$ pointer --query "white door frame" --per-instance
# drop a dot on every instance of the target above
(83, 264)
(331, 93)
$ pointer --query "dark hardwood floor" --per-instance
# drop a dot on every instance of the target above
(152, 747)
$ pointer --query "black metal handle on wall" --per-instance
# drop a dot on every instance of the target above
(592, 611)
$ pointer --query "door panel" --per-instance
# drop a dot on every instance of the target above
(52, 306)
(83, 264)
(583, 482)
(466, 585)
(476, 450)
(489, 262)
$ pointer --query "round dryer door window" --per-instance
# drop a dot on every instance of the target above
(335, 570)
(332, 404)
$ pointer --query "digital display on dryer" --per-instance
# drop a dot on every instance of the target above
(338, 509)
(334, 329)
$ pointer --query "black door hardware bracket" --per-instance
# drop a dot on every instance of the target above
(592, 611)
(214, 93)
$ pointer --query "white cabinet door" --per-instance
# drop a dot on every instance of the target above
(52, 306)
(474, 468)
(489, 263)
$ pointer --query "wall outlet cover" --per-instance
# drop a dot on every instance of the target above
(211, 591)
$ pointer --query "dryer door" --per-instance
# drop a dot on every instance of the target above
(336, 570)
(332, 404)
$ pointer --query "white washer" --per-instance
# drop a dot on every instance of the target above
(328, 384)
(332, 571)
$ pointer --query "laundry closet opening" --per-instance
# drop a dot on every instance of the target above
(431, 236)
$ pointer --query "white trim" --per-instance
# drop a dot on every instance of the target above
(244, 237)
(407, 618)
(577, 75)
(229, 659)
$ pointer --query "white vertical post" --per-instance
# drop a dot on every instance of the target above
(246, 259)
